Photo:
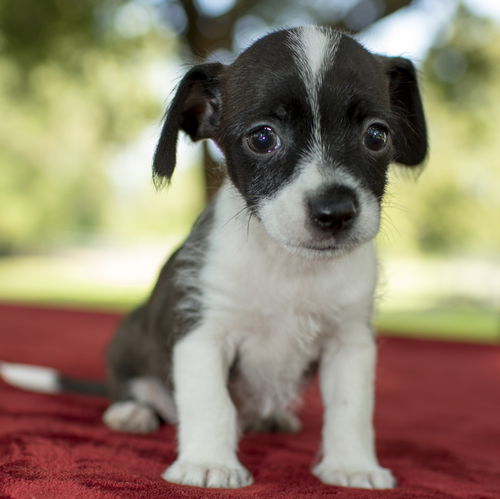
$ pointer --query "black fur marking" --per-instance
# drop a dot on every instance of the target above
(276, 97)
(195, 110)
(144, 341)
(354, 91)
(410, 140)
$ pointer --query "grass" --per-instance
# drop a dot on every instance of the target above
(83, 279)
(29, 280)
(462, 325)
(118, 280)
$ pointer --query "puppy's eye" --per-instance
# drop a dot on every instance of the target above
(376, 137)
(263, 140)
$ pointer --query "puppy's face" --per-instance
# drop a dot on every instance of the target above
(308, 121)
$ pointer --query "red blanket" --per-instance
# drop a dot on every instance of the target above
(437, 420)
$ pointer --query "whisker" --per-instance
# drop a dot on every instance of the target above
(250, 215)
(389, 230)
(237, 214)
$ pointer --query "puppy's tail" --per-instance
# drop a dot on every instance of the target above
(48, 380)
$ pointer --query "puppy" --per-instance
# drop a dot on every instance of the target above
(279, 271)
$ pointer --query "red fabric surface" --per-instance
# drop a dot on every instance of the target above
(437, 420)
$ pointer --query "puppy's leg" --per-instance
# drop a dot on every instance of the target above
(347, 386)
(208, 428)
(138, 398)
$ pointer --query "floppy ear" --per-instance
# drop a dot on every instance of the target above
(195, 109)
(410, 140)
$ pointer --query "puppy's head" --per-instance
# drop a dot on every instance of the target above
(308, 121)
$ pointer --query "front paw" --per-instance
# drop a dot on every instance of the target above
(371, 478)
(207, 475)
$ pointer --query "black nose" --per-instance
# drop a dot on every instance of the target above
(334, 209)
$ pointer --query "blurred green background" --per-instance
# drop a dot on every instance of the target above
(83, 86)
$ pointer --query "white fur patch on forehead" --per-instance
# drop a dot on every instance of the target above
(314, 49)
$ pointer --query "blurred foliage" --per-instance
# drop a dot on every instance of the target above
(142, 213)
(71, 87)
(457, 206)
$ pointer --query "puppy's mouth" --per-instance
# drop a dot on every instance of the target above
(319, 250)
(332, 247)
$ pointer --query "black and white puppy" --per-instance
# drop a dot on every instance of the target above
(278, 274)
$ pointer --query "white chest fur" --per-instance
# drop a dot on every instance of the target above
(272, 308)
